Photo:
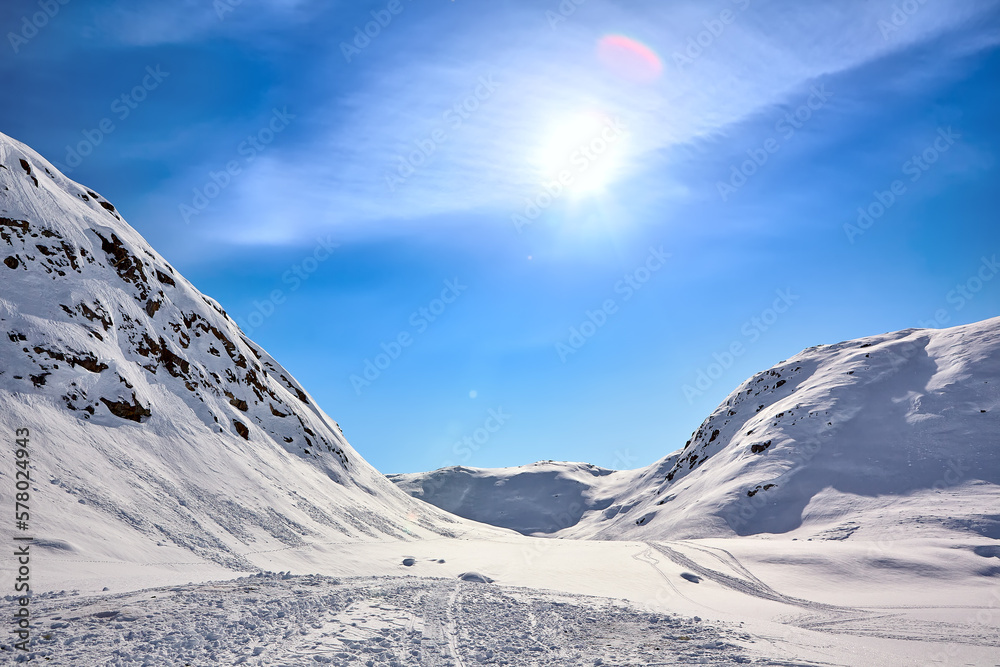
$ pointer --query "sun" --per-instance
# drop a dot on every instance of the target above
(583, 152)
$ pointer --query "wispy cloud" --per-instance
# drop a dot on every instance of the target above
(148, 23)
(417, 136)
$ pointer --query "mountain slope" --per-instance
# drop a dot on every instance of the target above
(155, 423)
(885, 436)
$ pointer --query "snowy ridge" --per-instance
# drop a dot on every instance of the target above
(872, 437)
(156, 422)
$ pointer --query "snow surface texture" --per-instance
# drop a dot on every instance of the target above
(159, 431)
(768, 602)
(897, 434)
(277, 620)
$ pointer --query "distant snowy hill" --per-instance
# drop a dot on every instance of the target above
(540, 498)
(156, 426)
(887, 436)
(543, 498)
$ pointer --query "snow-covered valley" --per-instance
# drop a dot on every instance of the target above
(841, 508)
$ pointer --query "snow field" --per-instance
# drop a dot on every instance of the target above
(278, 619)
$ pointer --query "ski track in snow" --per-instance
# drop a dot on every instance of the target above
(647, 557)
(858, 621)
(748, 584)
(279, 620)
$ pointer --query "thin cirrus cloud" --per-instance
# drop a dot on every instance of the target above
(370, 163)
(146, 23)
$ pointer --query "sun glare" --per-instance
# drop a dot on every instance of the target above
(583, 152)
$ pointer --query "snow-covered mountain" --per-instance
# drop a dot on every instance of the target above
(156, 426)
(892, 435)
(166, 448)
(542, 498)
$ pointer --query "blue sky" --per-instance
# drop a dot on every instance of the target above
(342, 196)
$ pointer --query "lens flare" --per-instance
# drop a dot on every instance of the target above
(629, 58)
